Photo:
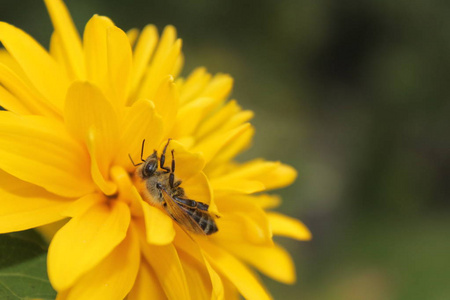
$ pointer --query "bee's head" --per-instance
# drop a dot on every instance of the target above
(150, 166)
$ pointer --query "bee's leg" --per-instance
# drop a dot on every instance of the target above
(172, 176)
(163, 158)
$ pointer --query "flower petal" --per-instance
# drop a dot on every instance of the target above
(114, 277)
(145, 46)
(190, 115)
(40, 151)
(119, 64)
(96, 52)
(273, 261)
(187, 245)
(43, 71)
(158, 225)
(235, 271)
(140, 123)
(166, 103)
(85, 241)
(147, 285)
(197, 278)
(165, 262)
(193, 85)
(106, 186)
(187, 164)
(12, 103)
(68, 34)
(219, 87)
(198, 189)
(28, 97)
(86, 107)
(211, 146)
(162, 64)
(24, 206)
(287, 226)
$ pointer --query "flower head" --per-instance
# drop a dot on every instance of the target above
(75, 116)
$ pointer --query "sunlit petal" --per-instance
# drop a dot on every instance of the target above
(87, 108)
(46, 75)
(24, 206)
(40, 151)
(145, 46)
(147, 285)
(235, 271)
(273, 261)
(85, 241)
(290, 227)
(140, 123)
(158, 225)
(68, 34)
(168, 268)
(96, 52)
(114, 276)
(119, 64)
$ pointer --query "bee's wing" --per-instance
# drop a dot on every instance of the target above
(180, 215)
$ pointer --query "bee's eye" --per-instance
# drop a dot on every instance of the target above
(150, 168)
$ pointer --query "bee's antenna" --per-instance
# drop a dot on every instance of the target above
(133, 161)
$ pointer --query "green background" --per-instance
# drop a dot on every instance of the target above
(353, 94)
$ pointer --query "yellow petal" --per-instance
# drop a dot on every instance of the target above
(100, 178)
(194, 84)
(10, 102)
(290, 227)
(95, 51)
(235, 271)
(158, 225)
(143, 52)
(68, 34)
(132, 35)
(197, 278)
(114, 277)
(85, 241)
(165, 262)
(119, 64)
(147, 285)
(40, 151)
(24, 206)
(220, 117)
(27, 96)
(190, 115)
(219, 87)
(281, 176)
(86, 107)
(187, 245)
(198, 189)
(236, 185)
(162, 64)
(166, 103)
(264, 201)
(187, 164)
(273, 261)
(83, 204)
(140, 123)
(46, 75)
(211, 146)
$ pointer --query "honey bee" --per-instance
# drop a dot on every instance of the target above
(165, 190)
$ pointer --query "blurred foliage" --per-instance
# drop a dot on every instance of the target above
(354, 95)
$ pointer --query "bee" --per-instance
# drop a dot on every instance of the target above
(166, 190)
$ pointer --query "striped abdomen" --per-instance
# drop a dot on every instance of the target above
(203, 219)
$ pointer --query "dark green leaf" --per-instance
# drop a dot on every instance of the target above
(23, 268)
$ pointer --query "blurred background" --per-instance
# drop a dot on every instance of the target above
(353, 94)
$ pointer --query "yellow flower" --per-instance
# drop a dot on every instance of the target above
(74, 115)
